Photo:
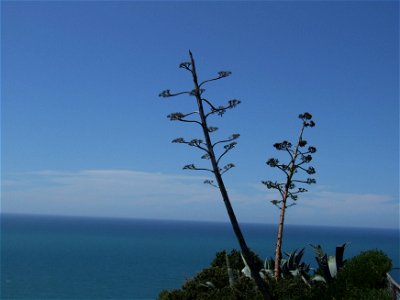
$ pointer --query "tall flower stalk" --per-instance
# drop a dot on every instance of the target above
(299, 157)
(206, 109)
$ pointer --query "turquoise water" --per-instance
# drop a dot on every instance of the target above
(92, 258)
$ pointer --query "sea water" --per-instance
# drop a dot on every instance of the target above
(48, 257)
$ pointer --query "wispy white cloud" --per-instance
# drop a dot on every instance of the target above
(356, 209)
(106, 192)
(327, 207)
(126, 193)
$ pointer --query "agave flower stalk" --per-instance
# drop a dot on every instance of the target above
(205, 109)
(287, 189)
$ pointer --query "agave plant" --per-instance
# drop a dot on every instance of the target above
(268, 270)
(329, 265)
(290, 266)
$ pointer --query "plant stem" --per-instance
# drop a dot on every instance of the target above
(278, 249)
(261, 284)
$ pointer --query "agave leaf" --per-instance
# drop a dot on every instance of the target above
(318, 250)
(283, 262)
(268, 272)
(339, 255)
(292, 260)
(305, 280)
(299, 256)
(262, 275)
(332, 266)
(268, 269)
(295, 272)
(335, 263)
(246, 270)
(318, 278)
(323, 264)
(208, 284)
(268, 263)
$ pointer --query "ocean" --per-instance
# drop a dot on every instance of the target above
(49, 257)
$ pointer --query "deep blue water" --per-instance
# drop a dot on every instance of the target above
(46, 257)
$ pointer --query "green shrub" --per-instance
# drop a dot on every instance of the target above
(235, 260)
(362, 278)
(368, 294)
(244, 288)
(290, 289)
(213, 282)
(366, 270)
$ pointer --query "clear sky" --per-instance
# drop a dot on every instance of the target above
(85, 133)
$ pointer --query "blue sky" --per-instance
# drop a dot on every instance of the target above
(85, 133)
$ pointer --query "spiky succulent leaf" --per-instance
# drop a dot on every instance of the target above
(246, 270)
(332, 266)
(318, 278)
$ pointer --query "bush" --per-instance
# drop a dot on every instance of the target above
(362, 277)
(290, 289)
(213, 282)
(235, 260)
(368, 294)
(366, 270)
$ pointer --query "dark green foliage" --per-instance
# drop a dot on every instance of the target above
(213, 282)
(235, 260)
(290, 289)
(366, 271)
(362, 278)
(368, 294)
